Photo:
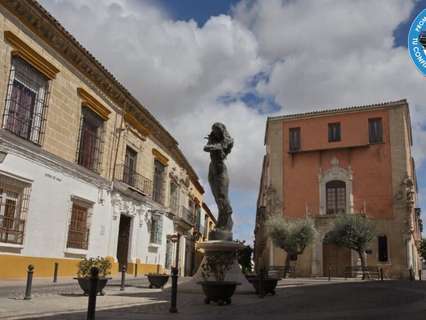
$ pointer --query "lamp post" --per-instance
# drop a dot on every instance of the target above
(175, 238)
(175, 271)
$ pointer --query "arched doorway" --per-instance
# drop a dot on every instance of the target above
(337, 258)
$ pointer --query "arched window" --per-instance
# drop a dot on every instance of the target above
(335, 197)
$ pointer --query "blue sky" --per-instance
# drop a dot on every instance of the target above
(201, 11)
(195, 62)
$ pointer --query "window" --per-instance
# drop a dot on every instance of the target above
(159, 173)
(335, 197)
(174, 197)
(129, 173)
(294, 139)
(198, 218)
(383, 248)
(78, 231)
(375, 130)
(333, 132)
(26, 102)
(14, 198)
(156, 229)
(89, 150)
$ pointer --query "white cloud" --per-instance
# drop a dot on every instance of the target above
(317, 53)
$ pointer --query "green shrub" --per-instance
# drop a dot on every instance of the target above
(84, 266)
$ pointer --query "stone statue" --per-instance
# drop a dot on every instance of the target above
(219, 145)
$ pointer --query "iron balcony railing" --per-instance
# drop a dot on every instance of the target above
(11, 230)
(129, 176)
(187, 215)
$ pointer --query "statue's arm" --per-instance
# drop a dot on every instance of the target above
(212, 147)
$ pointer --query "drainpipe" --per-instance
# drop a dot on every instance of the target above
(120, 129)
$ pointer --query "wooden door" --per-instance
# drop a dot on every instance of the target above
(337, 258)
(123, 241)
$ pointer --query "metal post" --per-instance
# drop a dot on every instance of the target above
(177, 251)
(420, 274)
(91, 308)
(262, 283)
(136, 270)
(411, 272)
(123, 278)
(30, 272)
(381, 274)
(329, 272)
(175, 272)
(55, 272)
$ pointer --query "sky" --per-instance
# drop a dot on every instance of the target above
(193, 63)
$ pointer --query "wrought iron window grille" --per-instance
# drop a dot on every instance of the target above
(26, 102)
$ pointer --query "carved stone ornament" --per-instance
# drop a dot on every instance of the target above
(130, 208)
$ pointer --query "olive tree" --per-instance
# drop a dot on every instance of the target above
(352, 231)
(291, 236)
(422, 250)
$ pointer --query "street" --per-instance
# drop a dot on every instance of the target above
(295, 299)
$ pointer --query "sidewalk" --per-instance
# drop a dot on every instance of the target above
(69, 298)
(45, 305)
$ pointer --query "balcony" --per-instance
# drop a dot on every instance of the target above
(187, 215)
(11, 230)
(130, 177)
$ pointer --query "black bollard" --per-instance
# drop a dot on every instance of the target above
(381, 274)
(91, 307)
(29, 285)
(55, 272)
(329, 272)
(262, 283)
(173, 308)
(136, 270)
(123, 278)
(420, 274)
(411, 274)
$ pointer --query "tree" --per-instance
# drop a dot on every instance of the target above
(423, 249)
(244, 258)
(291, 236)
(353, 231)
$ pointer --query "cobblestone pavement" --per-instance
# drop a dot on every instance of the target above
(296, 299)
(43, 287)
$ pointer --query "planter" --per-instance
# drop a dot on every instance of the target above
(269, 284)
(218, 291)
(85, 285)
(157, 280)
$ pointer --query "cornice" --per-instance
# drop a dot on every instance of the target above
(45, 26)
(131, 120)
(94, 104)
(160, 157)
(24, 51)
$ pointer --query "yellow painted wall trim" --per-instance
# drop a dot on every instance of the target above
(94, 104)
(160, 157)
(130, 119)
(25, 52)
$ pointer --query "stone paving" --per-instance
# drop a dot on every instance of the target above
(296, 299)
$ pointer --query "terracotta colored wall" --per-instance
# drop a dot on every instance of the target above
(371, 164)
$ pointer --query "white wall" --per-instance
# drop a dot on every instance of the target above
(49, 209)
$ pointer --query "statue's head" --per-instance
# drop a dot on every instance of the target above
(220, 135)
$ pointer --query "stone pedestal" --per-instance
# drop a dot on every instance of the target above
(217, 247)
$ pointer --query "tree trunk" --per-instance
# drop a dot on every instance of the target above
(363, 265)
(287, 265)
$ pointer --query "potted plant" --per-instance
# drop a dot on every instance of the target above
(83, 274)
(217, 289)
(157, 280)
